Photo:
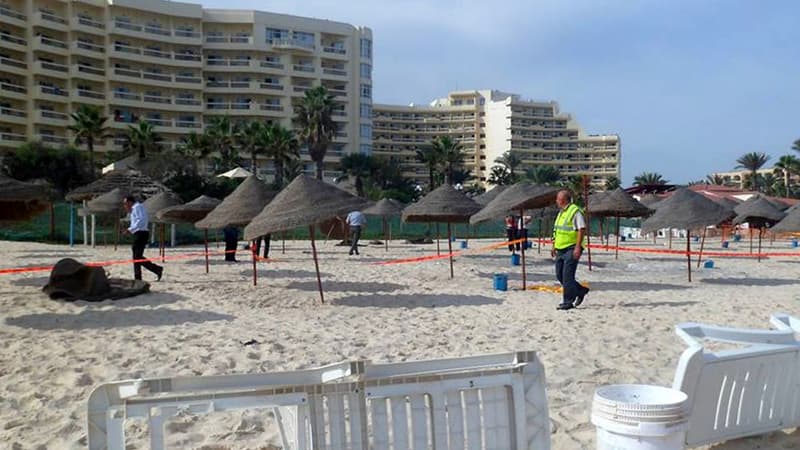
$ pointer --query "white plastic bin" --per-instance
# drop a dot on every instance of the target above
(639, 417)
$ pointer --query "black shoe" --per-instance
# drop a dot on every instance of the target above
(565, 306)
(579, 300)
(159, 273)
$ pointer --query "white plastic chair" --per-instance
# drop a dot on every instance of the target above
(743, 391)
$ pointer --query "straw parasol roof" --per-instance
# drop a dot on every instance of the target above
(240, 207)
(131, 181)
(108, 203)
(517, 197)
(305, 201)
(790, 223)
(190, 212)
(686, 209)
(443, 204)
(488, 196)
(386, 207)
(728, 202)
(158, 202)
(21, 201)
(620, 204)
(758, 211)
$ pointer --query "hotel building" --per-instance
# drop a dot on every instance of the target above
(175, 65)
(489, 123)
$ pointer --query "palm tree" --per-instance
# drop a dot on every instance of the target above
(543, 175)
(452, 154)
(195, 147)
(281, 147)
(88, 126)
(142, 139)
(575, 184)
(715, 179)
(313, 117)
(752, 161)
(431, 157)
(510, 160)
(292, 169)
(787, 165)
(796, 145)
(648, 178)
(248, 137)
(499, 176)
(612, 183)
(359, 166)
(220, 135)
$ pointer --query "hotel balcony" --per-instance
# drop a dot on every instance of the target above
(12, 16)
(88, 49)
(304, 68)
(12, 139)
(145, 55)
(15, 91)
(51, 45)
(292, 45)
(243, 109)
(240, 65)
(228, 42)
(334, 52)
(52, 139)
(50, 20)
(52, 93)
(87, 72)
(50, 69)
(12, 42)
(154, 33)
(12, 65)
(332, 72)
(12, 115)
(88, 25)
(87, 96)
(156, 79)
(51, 118)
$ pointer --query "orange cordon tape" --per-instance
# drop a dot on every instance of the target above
(447, 255)
(125, 261)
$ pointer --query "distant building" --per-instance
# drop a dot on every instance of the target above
(738, 177)
(489, 123)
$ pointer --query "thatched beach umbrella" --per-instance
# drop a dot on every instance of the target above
(790, 223)
(488, 196)
(384, 208)
(155, 204)
(20, 201)
(757, 213)
(238, 209)
(687, 210)
(619, 203)
(191, 212)
(518, 197)
(109, 203)
(443, 204)
(305, 201)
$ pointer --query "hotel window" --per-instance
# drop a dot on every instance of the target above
(366, 91)
(366, 131)
(366, 48)
(366, 71)
(366, 110)
(366, 149)
(276, 34)
(305, 39)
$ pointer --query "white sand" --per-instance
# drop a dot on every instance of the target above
(195, 324)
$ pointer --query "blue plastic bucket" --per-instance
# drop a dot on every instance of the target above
(463, 244)
(695, 239)
(737, 237)
(724, 244)
(709, 264)
(514, 259)
(500, 282)
(794, 243)
(622, 238)
(528, 244)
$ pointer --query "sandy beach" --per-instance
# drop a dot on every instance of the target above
(194, 323)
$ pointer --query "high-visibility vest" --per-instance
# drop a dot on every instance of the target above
(564, 233)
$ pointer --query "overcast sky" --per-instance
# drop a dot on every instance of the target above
(689, 85)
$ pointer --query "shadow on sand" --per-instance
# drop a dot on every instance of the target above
(634, 286)
(345, 286)
(91, 319)
(656, 304)
(54, 256)
(750, 281)
(283, 273)
(416, 301)
(37, 282)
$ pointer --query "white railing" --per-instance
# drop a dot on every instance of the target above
(228, 39)
(187, 79)
(90, 70)
(187, 101)
(13, 88)
(273, 86)
(303, 68)
(187, 34)
(157, 99)
(127, 96)
(337, 72)
(92, 47)
(90, 94)
(53, 66)
(53, 115)
(85, 21)
(158, 122)
(52, 42)
(156, 53)
(12, 112)
(14, 14)
(156, 76)
(187, 124)
(13, 137)
(50, 17)
(13, 62)
(4, 36)
(53, 139)
(270, 107)
(292, 43)
(272, 64)
(335, 50)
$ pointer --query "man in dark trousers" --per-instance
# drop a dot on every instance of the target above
(231, 235)
(139, 230)
(568, 235)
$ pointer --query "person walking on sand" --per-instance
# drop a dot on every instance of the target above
(568, 233)
(355, 220)
(231, 234)
(138, 228)
(511, 232)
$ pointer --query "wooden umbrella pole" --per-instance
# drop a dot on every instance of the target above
(540, 234)
(205, 242)
(116, 233)
(760, 232)
(616, 247)
(438, 251)
(450, 249)
(602, 232)
(702, 244)
(522, 251)
(385, 234)
(390, 231)
(688, 255)
(316, 263)
(283, 242)
(163, 242)
(751, 238)
(255, 257)
(669, 230)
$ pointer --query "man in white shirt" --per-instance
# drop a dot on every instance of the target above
(138, 229)
(356, 221)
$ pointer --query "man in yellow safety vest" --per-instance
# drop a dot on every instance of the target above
(568, 233)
